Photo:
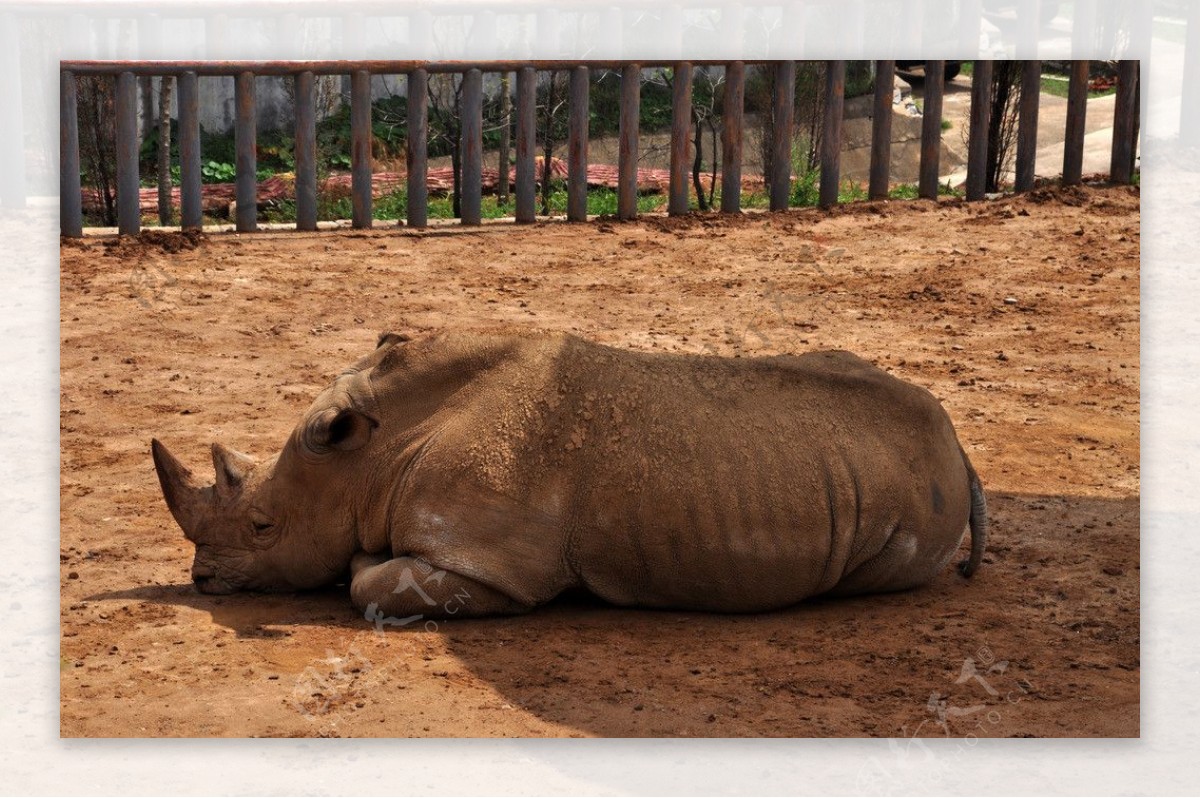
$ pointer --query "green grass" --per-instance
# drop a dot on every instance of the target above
(805, 194)
(394, 206)
(1059, 86)
(1055, 85)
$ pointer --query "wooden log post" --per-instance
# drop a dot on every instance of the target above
(577, 146)
(681, 127)
(1027, 124)
(731, 137)
(831, 132)
(129, 211)
(360, 149)
(416, 157)
(782, 112)
(306, 153)
(70, 192)
(931, 130)
(1077, 88)
(472, 147)
(245, 141)
(526, 210)
(627, 155)
(881, 130)
(1120, 168)
(977, 142)
(191, 205)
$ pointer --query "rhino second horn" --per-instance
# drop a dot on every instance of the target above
(231, 468)
(185, 498)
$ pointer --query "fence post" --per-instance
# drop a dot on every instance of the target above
(931, 129)
(627, 157)
(577, 147)
(191, 204)
(977, 143)
(472, 147)
(306, 154)
(881, 130)
(526, 143)
(731, 138)
(831, 133)
(681, 125)
(70, 193)
(245, 137)
(782, 107)
(417, 212)
(129, 211)
(360, 148)
(1120, 168)
(1027, 124)
(1072, 173)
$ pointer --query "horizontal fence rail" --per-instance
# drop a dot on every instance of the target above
(778, 177)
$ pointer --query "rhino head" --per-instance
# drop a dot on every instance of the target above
(287, 523)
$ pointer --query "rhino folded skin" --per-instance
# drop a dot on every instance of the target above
(530, 464)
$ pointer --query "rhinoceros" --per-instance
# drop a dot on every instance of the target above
(484, 474)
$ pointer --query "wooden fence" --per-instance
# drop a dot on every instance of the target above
(417, 72)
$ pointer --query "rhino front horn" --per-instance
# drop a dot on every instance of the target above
(186, 499)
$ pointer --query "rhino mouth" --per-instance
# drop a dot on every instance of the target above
(214, 586)
(209, 582)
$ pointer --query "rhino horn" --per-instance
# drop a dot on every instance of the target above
(232, 468)
(186, 499)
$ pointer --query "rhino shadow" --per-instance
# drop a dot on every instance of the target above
(262, 615)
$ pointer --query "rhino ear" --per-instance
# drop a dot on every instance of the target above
(342, 430)
(390, 339)
(232, 468)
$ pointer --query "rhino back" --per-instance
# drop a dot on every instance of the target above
(698, 482)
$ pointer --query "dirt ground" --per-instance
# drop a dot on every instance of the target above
(1020, 314)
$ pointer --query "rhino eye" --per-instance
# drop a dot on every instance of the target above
(260, 522)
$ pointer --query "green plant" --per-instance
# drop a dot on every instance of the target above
(217, 172)
(851, 192)
(806, 190)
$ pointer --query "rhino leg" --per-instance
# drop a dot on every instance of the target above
(396, 590)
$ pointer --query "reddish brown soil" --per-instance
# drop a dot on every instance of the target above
(1021, 315)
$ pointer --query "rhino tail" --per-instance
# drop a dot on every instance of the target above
(979, 522)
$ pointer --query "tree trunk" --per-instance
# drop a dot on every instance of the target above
(698, 164)
(1002, 123)
(505, 138)
(712, 183)
(548, 144)
(165, 210)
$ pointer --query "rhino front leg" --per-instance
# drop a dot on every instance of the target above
(401, 590)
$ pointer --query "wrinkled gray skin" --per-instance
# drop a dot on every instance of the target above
(517, 467)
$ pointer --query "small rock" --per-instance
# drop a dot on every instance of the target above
(1010, 300)
(73, 575)
(1113, 570)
